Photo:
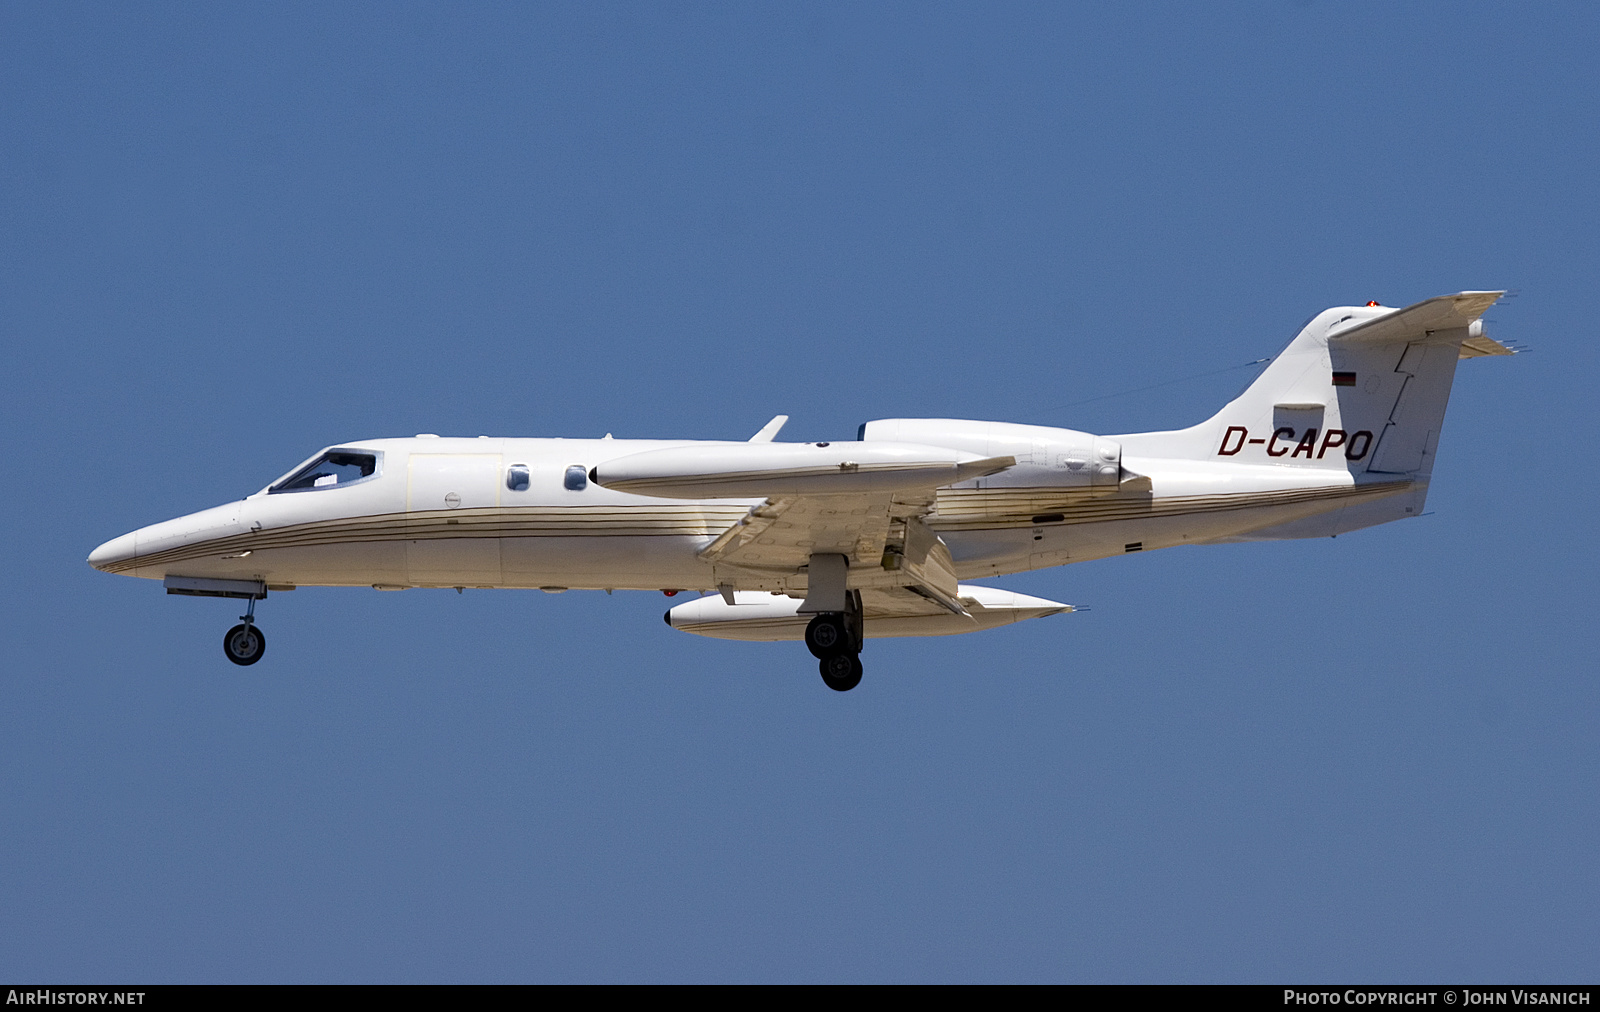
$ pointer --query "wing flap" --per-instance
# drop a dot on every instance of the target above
(784, 532)
(884, 538)
(931, 571)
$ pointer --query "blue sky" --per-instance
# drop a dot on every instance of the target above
(235, 234)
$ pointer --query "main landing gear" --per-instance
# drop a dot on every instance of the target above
(835, 639)
(834, 635)
(244, 643)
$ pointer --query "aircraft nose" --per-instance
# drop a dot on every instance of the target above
(112, 552)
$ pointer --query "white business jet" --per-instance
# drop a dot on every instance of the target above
(836, 542)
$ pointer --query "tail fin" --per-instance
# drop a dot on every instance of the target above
(1361, 389)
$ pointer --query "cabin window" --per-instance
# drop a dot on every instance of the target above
(517, 477)
(577, 478)
(336, 467)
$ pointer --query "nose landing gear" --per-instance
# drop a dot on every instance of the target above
(244, 643)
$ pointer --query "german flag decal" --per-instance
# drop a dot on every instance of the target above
(1344, 379)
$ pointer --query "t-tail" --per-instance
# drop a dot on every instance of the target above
(1361, 390)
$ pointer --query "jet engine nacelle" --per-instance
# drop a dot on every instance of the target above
(1046, 456)
(767, 617)
(737, 470)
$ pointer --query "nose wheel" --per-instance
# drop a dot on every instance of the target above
(244, 643)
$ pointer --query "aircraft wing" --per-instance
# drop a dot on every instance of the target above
(883, 535)
(865, 500)
(889, 611)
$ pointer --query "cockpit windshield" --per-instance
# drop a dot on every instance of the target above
(336, 467)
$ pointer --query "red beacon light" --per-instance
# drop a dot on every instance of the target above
(1370, 303)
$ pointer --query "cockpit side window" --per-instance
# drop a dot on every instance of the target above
(334, 468)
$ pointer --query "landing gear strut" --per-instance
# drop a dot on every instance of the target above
(244, 643)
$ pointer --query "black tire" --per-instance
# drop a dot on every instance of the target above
(841, 672)
(244, 644)
(826, 636)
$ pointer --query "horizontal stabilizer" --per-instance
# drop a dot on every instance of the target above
(1446, 312)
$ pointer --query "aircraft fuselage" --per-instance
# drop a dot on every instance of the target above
(444, 512)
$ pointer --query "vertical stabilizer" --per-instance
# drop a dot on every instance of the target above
(1361, 389)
